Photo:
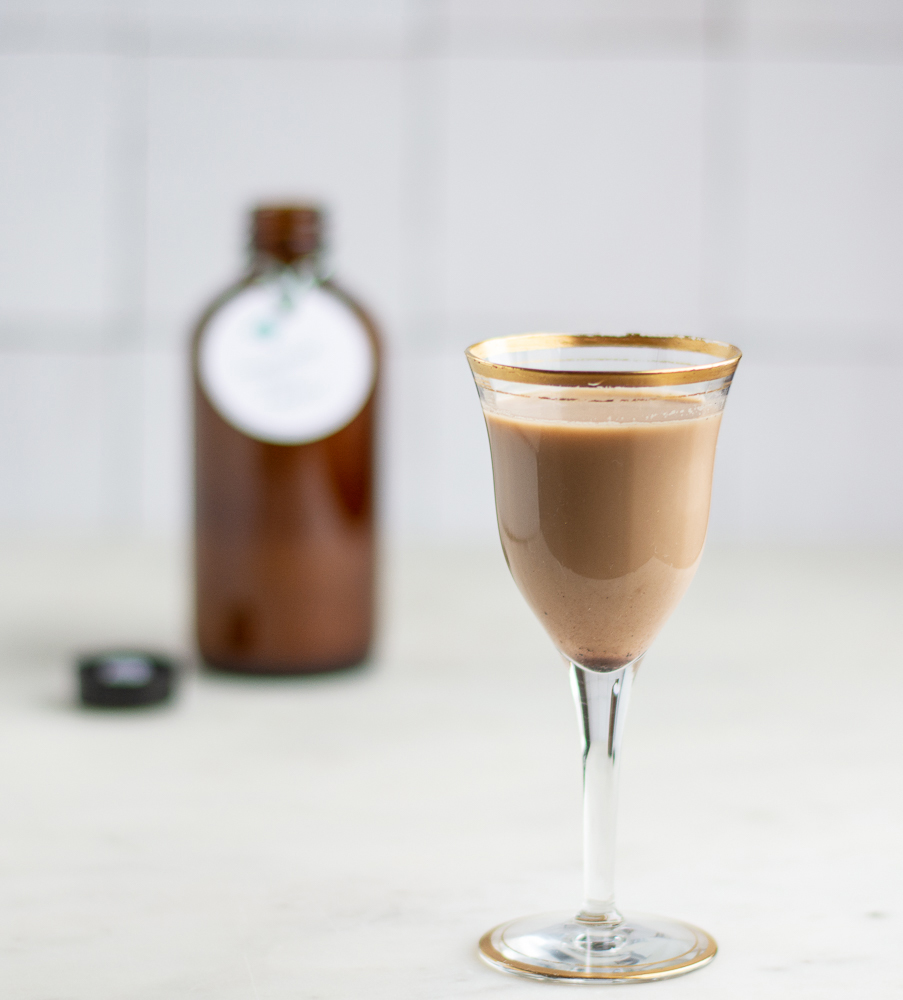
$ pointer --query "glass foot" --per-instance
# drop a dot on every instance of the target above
(559, 946)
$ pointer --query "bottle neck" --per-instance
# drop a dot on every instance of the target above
(309, 266)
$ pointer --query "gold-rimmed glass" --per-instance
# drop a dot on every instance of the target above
(602, 455)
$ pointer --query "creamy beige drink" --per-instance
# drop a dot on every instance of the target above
(603, 515)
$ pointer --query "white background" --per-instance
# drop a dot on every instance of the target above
(725, 169)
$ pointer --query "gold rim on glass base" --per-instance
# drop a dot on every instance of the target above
(557, 946)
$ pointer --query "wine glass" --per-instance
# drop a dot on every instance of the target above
(602, 456)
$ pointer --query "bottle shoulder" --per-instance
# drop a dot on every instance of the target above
(360, 311)
(247, 282)
(216, 304)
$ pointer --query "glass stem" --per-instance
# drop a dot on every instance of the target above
(601, 700)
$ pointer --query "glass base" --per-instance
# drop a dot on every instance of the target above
(559, 946)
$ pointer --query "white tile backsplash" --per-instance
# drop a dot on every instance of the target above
(202, 28)
(225, 133)
(809, 452)
(731, 169)
(855, 465)
(437, 480)
(56, 118)
(612, 28)
(286, 27)
(165, 442)
(574, 193)
(70, 447)
(824, 202)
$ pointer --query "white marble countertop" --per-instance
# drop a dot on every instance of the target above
(352, 836)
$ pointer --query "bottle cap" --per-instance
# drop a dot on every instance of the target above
(287, 231)
(125, 679)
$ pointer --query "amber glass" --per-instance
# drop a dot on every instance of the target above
(284, 533)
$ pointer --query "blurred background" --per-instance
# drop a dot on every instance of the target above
(731, 170)
(726, 169)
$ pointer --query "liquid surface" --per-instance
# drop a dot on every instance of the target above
(603, 517)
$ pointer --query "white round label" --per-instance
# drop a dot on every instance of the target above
(287, 362)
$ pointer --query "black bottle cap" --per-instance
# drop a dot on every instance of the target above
(125, 678)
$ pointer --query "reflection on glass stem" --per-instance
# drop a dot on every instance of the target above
(601, 700)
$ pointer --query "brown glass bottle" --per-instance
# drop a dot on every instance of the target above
(284, 519)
